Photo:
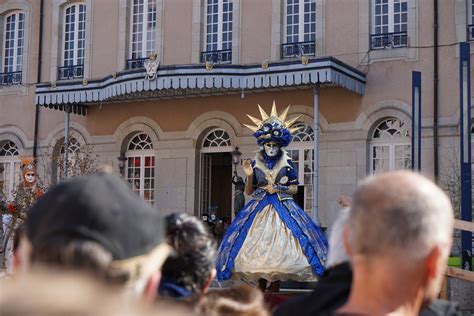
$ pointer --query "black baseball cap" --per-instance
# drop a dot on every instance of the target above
(99, 208)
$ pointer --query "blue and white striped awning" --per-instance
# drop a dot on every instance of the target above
(194, 80)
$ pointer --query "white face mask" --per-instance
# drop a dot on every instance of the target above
(271, 149)
(30, 177)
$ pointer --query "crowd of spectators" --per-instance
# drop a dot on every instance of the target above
(90, 246)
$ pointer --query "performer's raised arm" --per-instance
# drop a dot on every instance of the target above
(252, 246)
(249, 173)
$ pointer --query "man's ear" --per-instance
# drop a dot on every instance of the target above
(433, 263)
(208, 282)
(345, 240)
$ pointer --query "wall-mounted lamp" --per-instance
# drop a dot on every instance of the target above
(236, 154)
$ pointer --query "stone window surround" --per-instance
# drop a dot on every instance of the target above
(278, 28)
(123, 50)
(199, 25)
(398, 141)
(53, 144)
(13, 162)
(17, 136)
(461, 20)
(367, 56)
(224, 145)
(5, 9)
(142, 154)
(58, 32)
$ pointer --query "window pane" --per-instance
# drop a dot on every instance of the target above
(13, 42)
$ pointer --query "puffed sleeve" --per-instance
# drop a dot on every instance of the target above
(292, 174)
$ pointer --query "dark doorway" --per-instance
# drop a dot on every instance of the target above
(216, 184)
(221, 185)
(299, 196)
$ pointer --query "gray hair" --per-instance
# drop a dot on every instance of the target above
(336, 252)
(399, 210)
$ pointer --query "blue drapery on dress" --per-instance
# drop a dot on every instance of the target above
(272, 237)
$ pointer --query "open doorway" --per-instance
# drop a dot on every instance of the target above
(216, 185)
(216, 176)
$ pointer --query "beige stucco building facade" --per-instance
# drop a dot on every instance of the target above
(177, 130)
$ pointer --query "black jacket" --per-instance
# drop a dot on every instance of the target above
(331, 292)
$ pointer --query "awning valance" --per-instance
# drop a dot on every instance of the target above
(193, 80)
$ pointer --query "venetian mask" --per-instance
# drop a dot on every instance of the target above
(29, 174)
(30, 177)
(271, 149)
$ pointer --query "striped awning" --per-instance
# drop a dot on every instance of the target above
(196, 80)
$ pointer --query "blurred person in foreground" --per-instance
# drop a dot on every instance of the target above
(191, 268)
(241, 300)
(398, 238)
(333, 289)
(96, 225)
(52, 293)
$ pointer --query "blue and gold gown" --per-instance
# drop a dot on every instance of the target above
(272, 238)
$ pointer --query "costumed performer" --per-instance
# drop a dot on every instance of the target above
(27, 192)
(272, 238)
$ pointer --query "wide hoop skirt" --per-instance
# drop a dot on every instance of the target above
(272, 239)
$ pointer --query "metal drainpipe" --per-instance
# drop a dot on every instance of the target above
(38, 79)
(315, 210)
(435, 94)
(67, 115)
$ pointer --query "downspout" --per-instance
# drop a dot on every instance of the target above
(435, 94)
(38, 79)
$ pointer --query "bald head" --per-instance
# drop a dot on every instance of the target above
(400, 211)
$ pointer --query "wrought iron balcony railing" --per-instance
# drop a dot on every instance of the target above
(470, 32)
(10, 78)
(71, 72)
(136, 63)
(223, 56)
(292, 50)
(389, 40)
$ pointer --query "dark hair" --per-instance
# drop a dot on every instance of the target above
(195, 252)
(241, 300)
(83, 255)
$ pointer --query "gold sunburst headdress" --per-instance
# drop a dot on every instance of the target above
(274, 127)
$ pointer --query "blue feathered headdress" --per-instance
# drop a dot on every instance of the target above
(273, 128)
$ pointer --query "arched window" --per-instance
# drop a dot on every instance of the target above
(141, 166)
(305, 133)
(74, 147)
(74, 42)
(301, 151)
(216, 138)
(10, 163)
(13, 44)
(390, 146)
(73, 150)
